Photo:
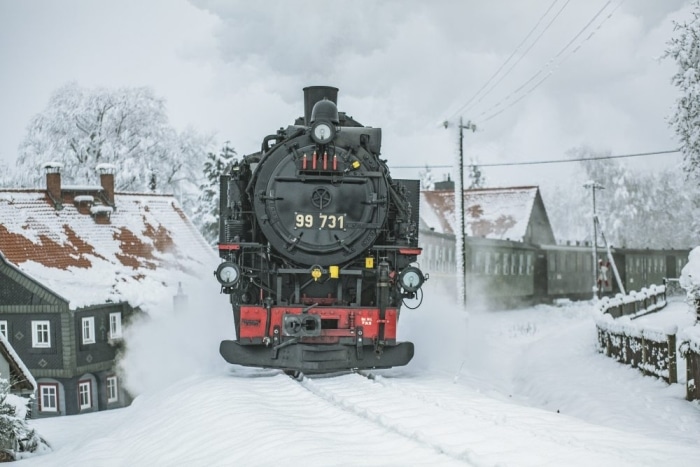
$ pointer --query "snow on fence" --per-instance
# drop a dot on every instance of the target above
(647, 300)
(653, 351)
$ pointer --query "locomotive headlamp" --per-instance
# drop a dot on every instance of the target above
(322, 132)
(227, 274)
(411, 279)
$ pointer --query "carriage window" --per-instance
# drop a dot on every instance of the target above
(506, 264)
(477, 265)
(521, 264)
(561, 263)
(513, 259)
(487, 263)
(552, 264)
(529, 264)
(496, 264)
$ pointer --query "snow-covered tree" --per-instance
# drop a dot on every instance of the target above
(426, 179)
(6, 176)
(13, 427)
(127, 127)
(635, 208)
(206, 211)
(476, 178)
(684, 49)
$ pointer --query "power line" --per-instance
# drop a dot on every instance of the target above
(493, 76)
(550, 63)
(552, 161)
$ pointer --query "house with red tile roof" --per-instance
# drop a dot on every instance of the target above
(510, 214)
(76, 262)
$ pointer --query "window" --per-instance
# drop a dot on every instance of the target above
(496, 264)
(48, 397)
(89, 330)
(521, 264)
(41, 334)
(3, 328)
(479, 263)
(115, 325)
(84, 396)
(506, 264)
(552, 262)
(112, 389)
(529, 264)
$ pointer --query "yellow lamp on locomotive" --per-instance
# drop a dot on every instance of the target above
(369, 262)
(316, 273)
(334, 271)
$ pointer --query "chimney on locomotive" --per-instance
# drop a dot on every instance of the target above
(314, 94)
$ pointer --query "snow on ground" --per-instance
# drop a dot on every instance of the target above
(521, 387)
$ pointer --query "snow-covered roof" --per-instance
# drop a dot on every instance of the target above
(138, 255)
(499, 213)
(23, 379)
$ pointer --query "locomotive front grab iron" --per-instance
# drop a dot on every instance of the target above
(319, 247)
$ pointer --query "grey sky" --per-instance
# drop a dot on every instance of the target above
(237, 68)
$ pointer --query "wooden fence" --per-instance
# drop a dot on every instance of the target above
(690, 349)
(647, 300)
(653, 351)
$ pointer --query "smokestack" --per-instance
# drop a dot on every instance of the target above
(53, 183)
(107, 181)
(313, 94)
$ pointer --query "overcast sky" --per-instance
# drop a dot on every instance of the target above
(237, 68)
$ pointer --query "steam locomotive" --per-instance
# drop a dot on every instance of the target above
(318, 246)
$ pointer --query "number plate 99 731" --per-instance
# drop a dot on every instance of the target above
(319, 221)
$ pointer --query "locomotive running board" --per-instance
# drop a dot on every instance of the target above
(316, 358)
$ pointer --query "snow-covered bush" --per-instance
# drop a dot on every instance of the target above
(690, 275)
(17, 440)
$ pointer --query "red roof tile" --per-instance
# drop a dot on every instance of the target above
(147, 241)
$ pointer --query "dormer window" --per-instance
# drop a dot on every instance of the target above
(101, 213)
(84, 203)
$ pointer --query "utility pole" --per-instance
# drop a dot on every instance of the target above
(594, 240)
(459, 205)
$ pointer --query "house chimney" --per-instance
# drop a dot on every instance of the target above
(107, 181)
(53, 183)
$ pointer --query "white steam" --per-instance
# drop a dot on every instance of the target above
(170, 345)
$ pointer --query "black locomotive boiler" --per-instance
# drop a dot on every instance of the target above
(319, 247)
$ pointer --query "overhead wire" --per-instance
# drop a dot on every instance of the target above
(551, 161)
(515, 51)
(485, 114)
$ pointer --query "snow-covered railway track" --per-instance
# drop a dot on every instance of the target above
(465, 426)
(391, 410)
